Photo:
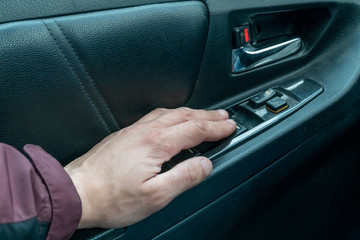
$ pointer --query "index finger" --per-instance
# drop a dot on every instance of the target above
(193, 132)
(183, 114)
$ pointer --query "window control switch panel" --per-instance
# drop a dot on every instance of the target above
(254, 115)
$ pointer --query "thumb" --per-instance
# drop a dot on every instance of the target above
(184, 176)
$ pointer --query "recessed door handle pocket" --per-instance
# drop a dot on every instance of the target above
(248, 57)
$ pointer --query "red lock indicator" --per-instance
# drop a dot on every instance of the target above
(241, 36)
(246, 35)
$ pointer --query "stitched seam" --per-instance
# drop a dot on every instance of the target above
(78, 79)
(101, 98)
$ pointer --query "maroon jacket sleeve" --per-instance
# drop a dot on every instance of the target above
(37, 197)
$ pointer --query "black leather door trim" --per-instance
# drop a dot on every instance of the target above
(82, 75)
(19, 10)
(67, 82)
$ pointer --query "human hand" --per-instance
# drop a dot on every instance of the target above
(119, 180)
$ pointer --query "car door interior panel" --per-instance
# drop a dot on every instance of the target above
(98, 61)
(286, 71)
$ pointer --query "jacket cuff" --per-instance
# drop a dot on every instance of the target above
(65, 200)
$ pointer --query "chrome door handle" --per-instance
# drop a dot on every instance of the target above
(248, 57)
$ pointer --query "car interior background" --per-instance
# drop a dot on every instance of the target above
(287, 71)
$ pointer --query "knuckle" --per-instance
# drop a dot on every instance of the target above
(168, 147)
(190, 175)
(159, 141)
(123, 131)
(185, 112)
(130, 130)
(159, 111)
(199, 125)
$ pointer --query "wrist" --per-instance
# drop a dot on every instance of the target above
(75, 175)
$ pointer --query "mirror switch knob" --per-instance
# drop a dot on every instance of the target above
(261, 98)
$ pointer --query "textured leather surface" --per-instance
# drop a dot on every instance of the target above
(15, 10)
(67, 82)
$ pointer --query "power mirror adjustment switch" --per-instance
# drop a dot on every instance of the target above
(276, 105)
(261, 98)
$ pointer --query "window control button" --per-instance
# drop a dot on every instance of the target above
(260, 99)
(183, 155)
(207, 146)
(276, 105)
(239, 130)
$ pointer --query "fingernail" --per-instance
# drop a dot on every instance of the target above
(223, 112)
(207, 166)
